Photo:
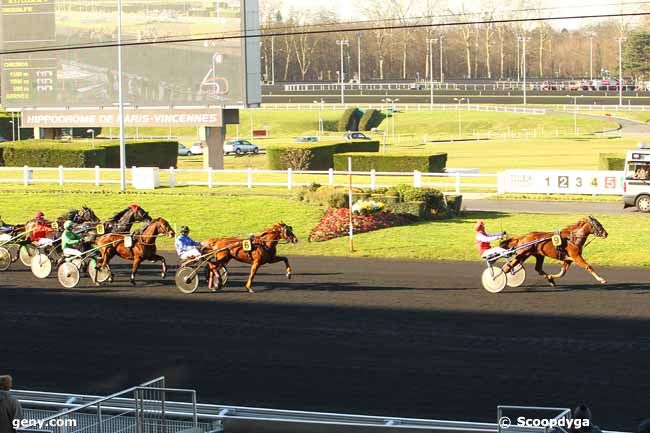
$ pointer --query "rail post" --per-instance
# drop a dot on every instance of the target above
(289, 178)
(330, 176)
(373, 179)
(417, 179)
(249, 181)
(27, 175)
(210, 177)
(172, 180)
(100, 428)
(457, 182)
(61, 175)
(98, 174)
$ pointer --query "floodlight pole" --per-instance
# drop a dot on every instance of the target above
(120, 93)
(272, 60)
(341, 75)
(620, 70)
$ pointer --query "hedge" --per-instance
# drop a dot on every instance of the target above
(370, 119)
(611, 161)
(52, 153)
(322, 154)
(433, 163)
(349, 121)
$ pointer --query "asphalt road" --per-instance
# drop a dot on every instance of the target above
(418, 339)
(560, 207)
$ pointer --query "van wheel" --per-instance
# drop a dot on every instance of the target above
(643, 203)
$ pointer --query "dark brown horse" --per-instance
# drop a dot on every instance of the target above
(574, 238)
(144, 246)
(263, 250)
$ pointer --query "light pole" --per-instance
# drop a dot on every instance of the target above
(320, 118)
(518, 62)
(460, 123)
(620, 70)
(341, 43)
(92, 134)
(441, 75)
(431, 42)
(392, 102)
(359, 59)
(13, 128)
(523, 47)
(272, 60)
(121, 97)
(591, 56)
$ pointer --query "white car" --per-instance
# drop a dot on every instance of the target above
(239, 147)
(183, 151)
(197, 149)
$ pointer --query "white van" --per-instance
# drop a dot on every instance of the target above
(636, 187)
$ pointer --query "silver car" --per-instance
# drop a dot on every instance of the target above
(239, 147)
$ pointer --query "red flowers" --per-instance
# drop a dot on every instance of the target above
(335, 223)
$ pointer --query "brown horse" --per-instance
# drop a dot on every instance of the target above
(574, 238)
(144, 247)
(264, 250)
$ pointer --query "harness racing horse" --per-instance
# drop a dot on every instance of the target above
(574, 239)
(78, 216)
(122, 221)
(144, 247)
(263, 250)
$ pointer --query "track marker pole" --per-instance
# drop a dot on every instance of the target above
(350, 202)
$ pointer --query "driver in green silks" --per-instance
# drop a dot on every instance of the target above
(70, 241)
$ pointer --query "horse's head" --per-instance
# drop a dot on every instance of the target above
(164, 227)
(86, 215)
(286, 232)
(596, 228)
(139, 215)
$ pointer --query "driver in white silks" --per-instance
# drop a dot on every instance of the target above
(483, 240)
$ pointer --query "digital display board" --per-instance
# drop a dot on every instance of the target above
(194, 73)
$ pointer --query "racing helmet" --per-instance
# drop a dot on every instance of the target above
(39, 215)
(185, 230)
(68, 225)
(480, 225)
(134, 207)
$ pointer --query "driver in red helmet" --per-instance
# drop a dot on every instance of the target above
(483, 240)
(41, 230)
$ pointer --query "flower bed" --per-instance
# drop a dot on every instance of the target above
(335, 223)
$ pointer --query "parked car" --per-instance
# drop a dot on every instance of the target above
(239, 147)
(356, 136)
(184, 151)
(197, 148)
(309, 139)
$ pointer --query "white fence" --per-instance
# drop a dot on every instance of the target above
(419, 85)
(456, 180)
(405, 107)
(594, 107)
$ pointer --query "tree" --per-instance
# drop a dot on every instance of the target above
(636, 54)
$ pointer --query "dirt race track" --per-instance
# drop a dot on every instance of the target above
(393, 338)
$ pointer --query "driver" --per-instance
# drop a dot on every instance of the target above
(41, 229)
(70, 241)
(186, 247)
(483, 240)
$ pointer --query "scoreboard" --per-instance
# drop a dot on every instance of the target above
(62, 53)
(592, 182)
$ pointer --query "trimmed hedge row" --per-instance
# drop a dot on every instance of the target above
(322, 154)
(349, 121)
(51, 153)
(370, 119)
(433, 163)
(611, 161)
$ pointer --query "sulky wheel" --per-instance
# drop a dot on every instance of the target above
(26, 253)
(516, 276)
(187, 280)
(69, 275)
(493, 279)
(41, 266)
(5, 259)
(223, 276)
(14, 251)
(100, 275)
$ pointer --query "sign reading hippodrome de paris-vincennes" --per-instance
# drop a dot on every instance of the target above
(140, 117)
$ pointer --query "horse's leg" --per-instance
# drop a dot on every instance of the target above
(565, 267)
(286, 263)
(583, 264)
(157, 258)
(134, 268)
(249, 284)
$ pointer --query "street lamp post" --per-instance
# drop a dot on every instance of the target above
(392, 102)
(460, 124)
(13, 128)
(359, 59)
(523, 48)
(441, 75)
(518, 62)
(341, 43)
(121, 97)
(431, 42)
(92, 134)
(591, 56)
(620, 70)
(272, 60)
(320, 118)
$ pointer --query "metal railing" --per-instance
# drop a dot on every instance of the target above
(405, 107)
(614, 108)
